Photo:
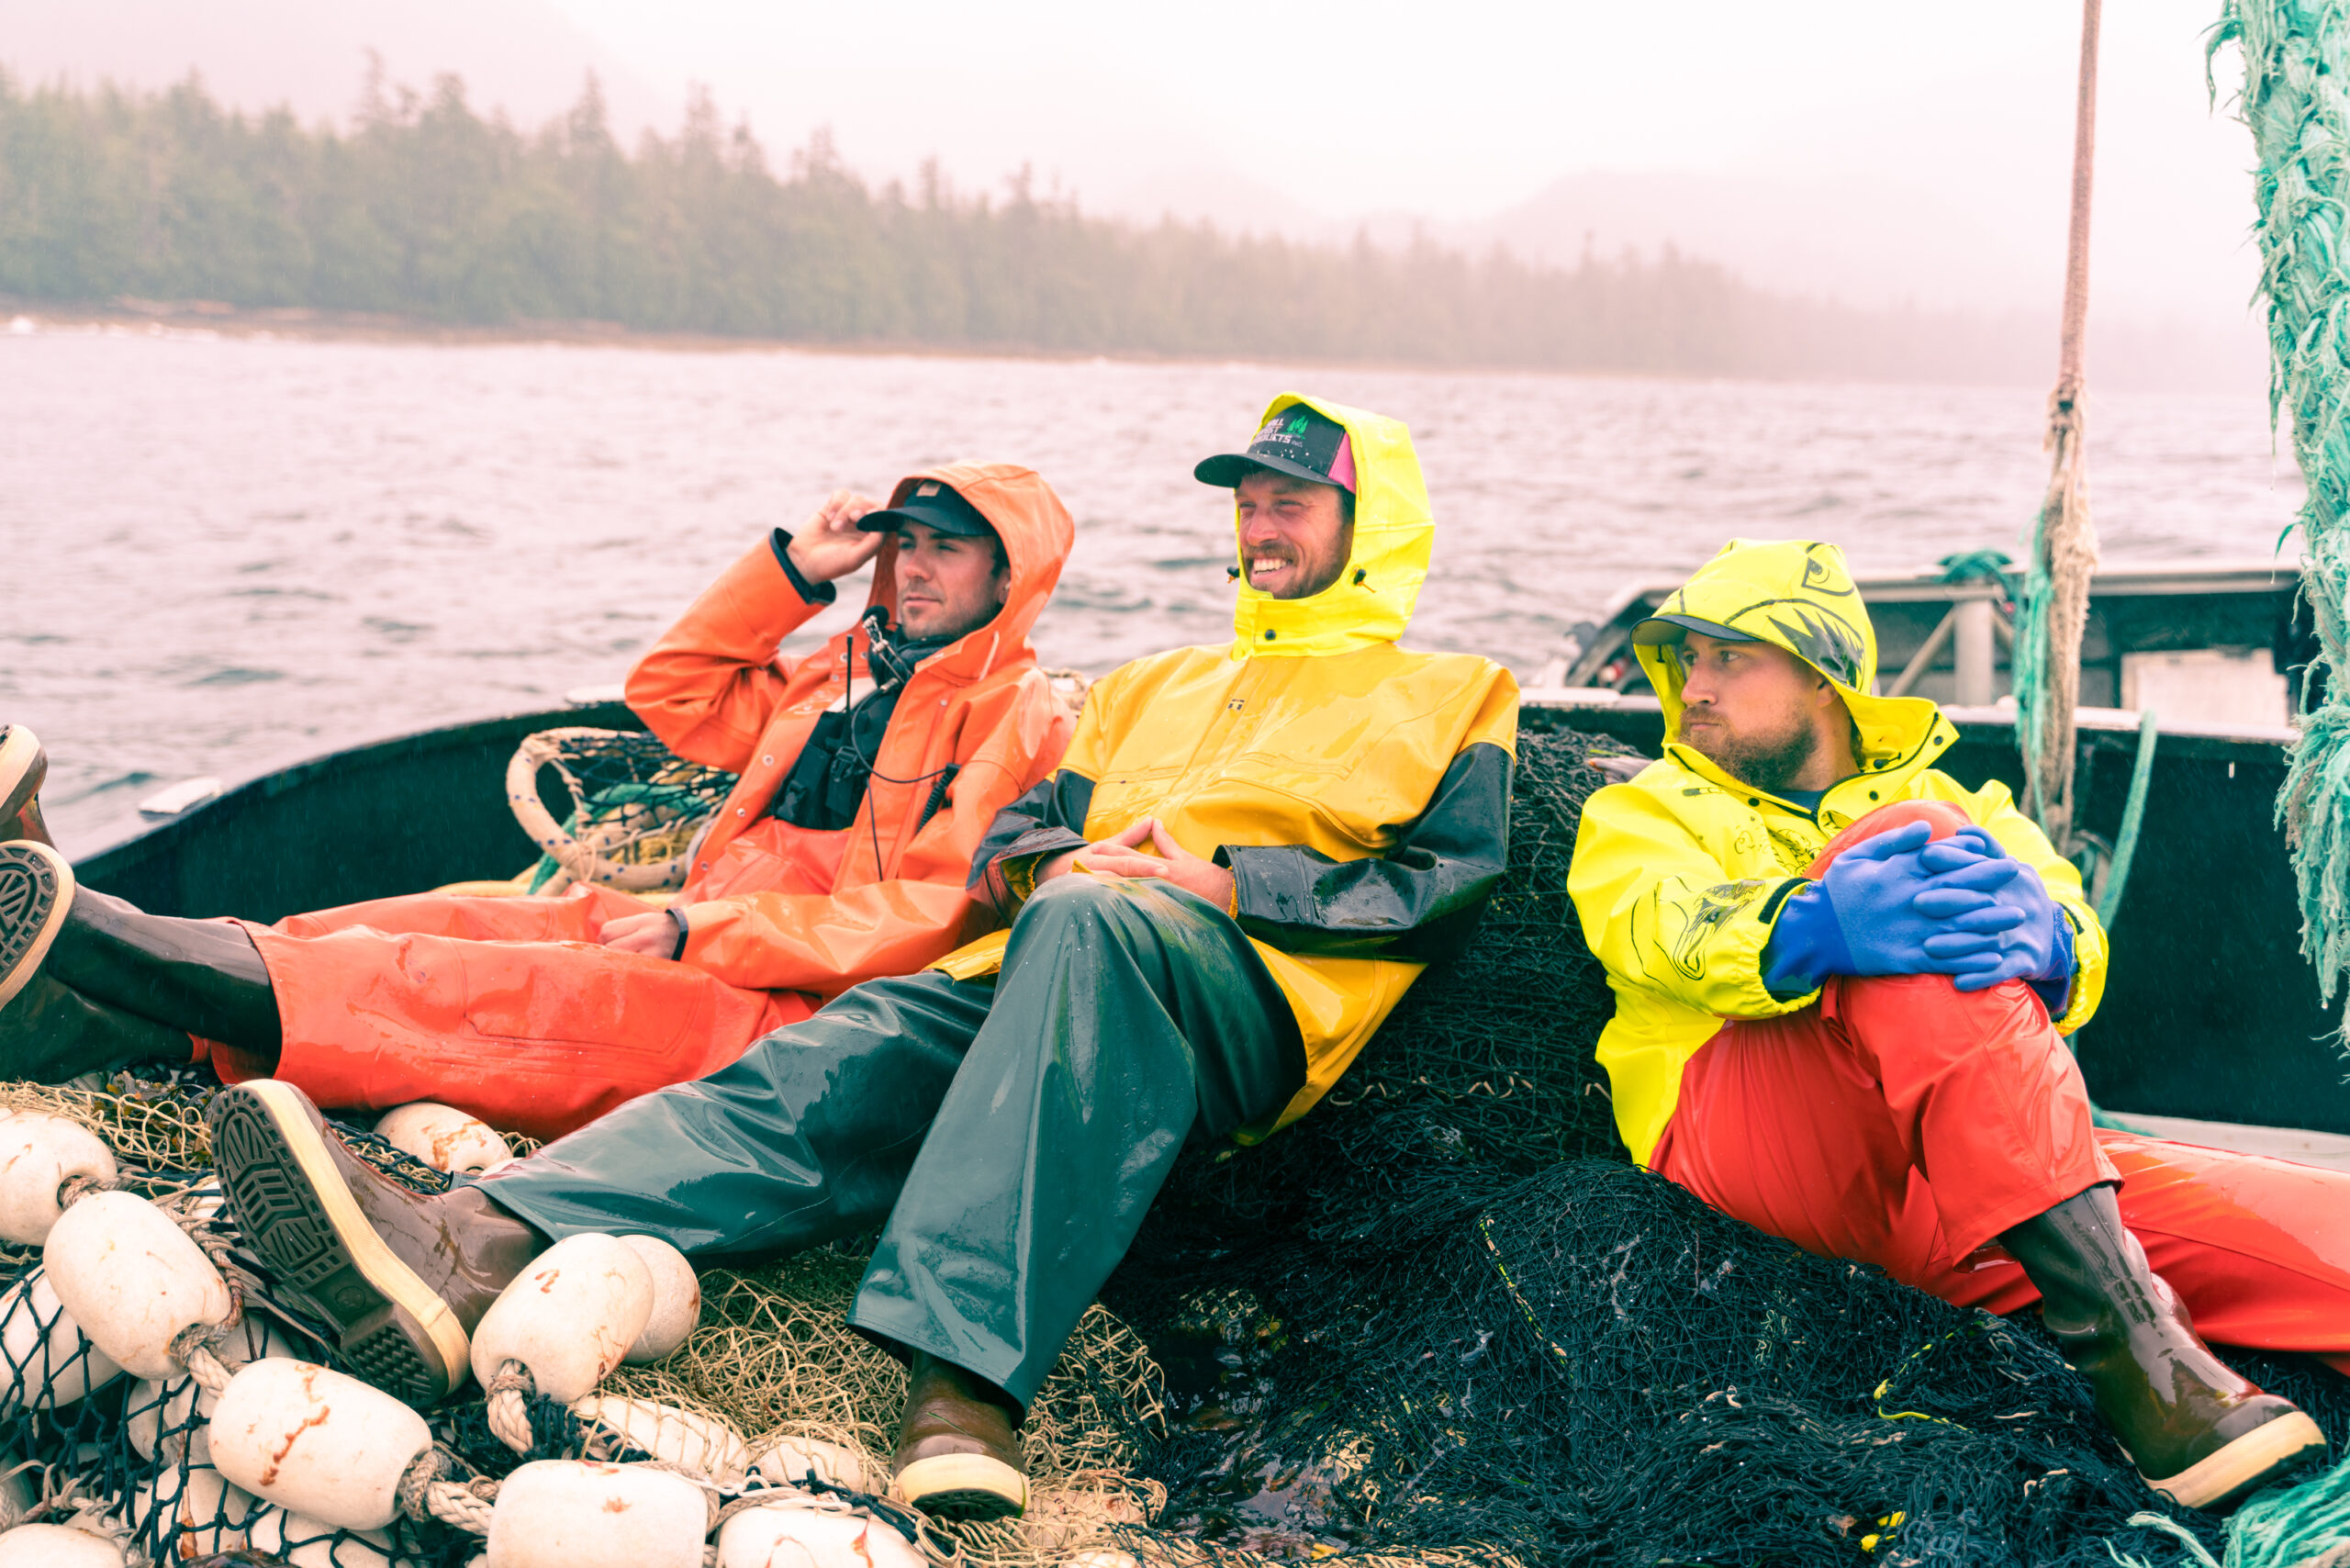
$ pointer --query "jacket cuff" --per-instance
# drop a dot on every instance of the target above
(1017, 865)
(2054, 989)
(780, 541)
(677, 918)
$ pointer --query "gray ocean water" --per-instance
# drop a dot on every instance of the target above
(225, 553)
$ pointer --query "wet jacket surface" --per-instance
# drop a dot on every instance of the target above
(1679, 875)
(773, 906)
(1357, 792)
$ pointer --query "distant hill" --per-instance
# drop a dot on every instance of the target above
(522, 56)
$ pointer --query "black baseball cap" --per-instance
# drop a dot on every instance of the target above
(1660, 630)
(932, 502)
(1298, 441)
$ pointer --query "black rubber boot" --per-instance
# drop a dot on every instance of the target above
(50, 1032)
(2194, 1428)
(203, 976)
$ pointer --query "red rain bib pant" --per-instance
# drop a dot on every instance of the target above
(1904, 1123)
(506, 1008)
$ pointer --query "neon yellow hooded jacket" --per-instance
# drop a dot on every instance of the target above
(1359, 793)
(1679, 875)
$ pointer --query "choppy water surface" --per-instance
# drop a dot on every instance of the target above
(223, 554)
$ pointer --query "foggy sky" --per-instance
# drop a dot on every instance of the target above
(1870, 150)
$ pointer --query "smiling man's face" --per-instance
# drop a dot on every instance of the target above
(1295, 535)
(949, 585)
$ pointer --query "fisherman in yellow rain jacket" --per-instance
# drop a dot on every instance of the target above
(1248, 855)
(1843, 980)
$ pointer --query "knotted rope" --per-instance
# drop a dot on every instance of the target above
(2296, 56)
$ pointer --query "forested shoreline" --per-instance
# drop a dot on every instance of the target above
(425, 207)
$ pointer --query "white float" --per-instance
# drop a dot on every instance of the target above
(57, 1546)
(444, 1137)
(306, 1542)
(563, 1513)
(156, 1407)
(786, 1461)
(677, 1298)
(41, 1344)
(570, 1317)
(1103, 1557)
(210, 1514)
(799, 1533)
(314, 1441)
(701, 1445)
(132, 1279)
(38, 1153)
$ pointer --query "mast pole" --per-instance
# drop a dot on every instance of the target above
(2047, 674)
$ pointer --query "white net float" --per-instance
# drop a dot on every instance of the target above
(203, 1512)
(444, 1137)
(49, 1362)
(58, 1546)
(677, 1298)
(788, 1462)
(569, 1318)
(808, 1532)
(132, 1279)
(39, 1154)
(156, 1406)
(1103, 1557)
(563, 1513)
(314, 1441)
(703, 1446)
(305, 1542)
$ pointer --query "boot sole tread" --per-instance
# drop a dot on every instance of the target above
(963, 1486)
(36, 891)
(299, 1214)
(2268, 1451)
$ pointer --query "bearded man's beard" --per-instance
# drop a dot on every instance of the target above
(1766, 762)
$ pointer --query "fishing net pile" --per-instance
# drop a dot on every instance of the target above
(1442, 1320)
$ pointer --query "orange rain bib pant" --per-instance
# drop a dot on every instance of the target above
(506, 1008)
(1904, 1123)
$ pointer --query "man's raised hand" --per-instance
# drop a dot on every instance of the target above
(830, 545)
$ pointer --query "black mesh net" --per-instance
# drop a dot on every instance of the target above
(1444, 1313)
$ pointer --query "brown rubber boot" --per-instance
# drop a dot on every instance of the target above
(23, 767)
(50, 1032)
(36, 892)
(2194, 1428)
(403, 1276)
(958, 1457)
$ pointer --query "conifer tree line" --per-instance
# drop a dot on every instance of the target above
(425, 207)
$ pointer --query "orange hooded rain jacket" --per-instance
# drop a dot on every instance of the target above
(511, 1009)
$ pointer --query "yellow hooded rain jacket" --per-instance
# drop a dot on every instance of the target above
(1679, 875)
(1359, 793)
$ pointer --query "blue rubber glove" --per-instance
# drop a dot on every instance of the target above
(1861, 919)
(2000, 923)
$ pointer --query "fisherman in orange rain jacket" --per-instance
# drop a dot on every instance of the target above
(871, 771)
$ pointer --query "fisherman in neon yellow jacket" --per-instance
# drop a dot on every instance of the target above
(1247, 856)
(1842, 981)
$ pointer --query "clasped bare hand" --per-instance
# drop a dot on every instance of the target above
(654, 934)
(830, 545)
(1121, 855)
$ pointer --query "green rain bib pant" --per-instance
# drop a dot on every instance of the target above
(1008, 1135)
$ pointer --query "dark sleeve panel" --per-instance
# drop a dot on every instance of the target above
(1048, 820)
(1422, 900)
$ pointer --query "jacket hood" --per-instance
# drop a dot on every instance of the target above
(1394, 534)
(1794, 593)
(1036, 530)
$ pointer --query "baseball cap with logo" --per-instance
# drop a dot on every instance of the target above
(1297, 442)
(936, 504)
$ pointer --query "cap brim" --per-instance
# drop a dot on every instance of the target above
(893, 519)
(1659, 630)
(1229, 469)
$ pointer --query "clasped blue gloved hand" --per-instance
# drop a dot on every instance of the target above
(1900, 905)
